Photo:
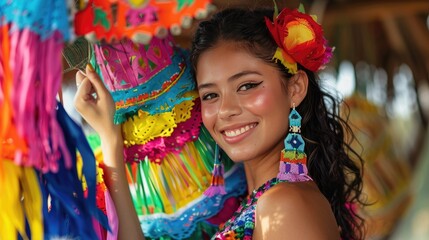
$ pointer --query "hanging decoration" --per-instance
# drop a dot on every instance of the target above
(138, 20)
(38, 142)
(169, 153)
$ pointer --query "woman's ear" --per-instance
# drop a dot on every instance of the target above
(297, 87)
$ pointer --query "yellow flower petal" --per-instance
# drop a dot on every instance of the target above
(299, 32)
(286, 60)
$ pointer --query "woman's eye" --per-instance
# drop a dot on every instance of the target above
(248, 86)
(209, 96)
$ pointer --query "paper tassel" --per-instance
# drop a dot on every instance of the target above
(217, 185)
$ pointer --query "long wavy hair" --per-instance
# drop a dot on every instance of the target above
(335, 167)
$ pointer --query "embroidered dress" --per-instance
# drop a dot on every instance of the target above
(242, 223)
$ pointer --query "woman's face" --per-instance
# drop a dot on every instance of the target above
(245, 105)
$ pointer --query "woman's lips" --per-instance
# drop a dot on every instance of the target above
(237, 134)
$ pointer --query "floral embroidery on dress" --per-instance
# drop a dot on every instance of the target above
(242, 223)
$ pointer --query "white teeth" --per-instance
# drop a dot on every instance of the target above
(233, 133)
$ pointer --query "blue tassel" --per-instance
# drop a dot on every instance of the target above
(71, 213)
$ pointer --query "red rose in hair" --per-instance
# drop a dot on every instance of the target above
(300, 40)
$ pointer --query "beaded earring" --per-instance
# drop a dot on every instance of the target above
(293, 160)
(217, 185)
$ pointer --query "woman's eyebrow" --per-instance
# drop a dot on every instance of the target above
(242, 74)
(230, 79)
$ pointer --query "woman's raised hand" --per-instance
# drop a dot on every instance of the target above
(95, 103)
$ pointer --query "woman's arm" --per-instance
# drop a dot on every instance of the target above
(94, 102)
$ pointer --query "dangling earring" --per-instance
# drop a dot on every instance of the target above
(293, 160)
(217, 185)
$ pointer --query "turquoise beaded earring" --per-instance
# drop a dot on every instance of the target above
(293, 160)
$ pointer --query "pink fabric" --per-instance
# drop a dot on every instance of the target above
(126, 65)
(99, 230)
(229, 207)
(20, 57)
(145, 15)
(112, 218)
(107, 208)
(37, 71)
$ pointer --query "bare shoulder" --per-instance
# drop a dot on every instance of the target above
(294, 211)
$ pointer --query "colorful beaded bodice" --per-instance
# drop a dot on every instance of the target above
(242, 223)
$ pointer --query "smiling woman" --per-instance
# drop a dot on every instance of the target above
(254, 73)
(238, 95)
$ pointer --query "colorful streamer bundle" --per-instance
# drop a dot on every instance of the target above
(30, 83)
(169, 167)
(42, 193)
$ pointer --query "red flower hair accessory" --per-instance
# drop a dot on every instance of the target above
(300, 40)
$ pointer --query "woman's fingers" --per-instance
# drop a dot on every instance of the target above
(80, 75)
(95, 80)
(94, 102)
(83, 95)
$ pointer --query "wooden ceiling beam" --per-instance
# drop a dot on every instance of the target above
(394, 36)
(369, 11)
(419, 33)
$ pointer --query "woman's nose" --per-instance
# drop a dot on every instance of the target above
(229, 107)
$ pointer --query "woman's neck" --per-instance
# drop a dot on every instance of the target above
(260, 170)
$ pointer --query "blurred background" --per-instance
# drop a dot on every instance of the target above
(381, 70)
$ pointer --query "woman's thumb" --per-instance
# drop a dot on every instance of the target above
(95, 80)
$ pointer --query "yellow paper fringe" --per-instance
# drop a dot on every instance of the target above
(21, 199)
(144, 127)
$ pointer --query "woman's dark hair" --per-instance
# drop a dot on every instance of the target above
(330, 163)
